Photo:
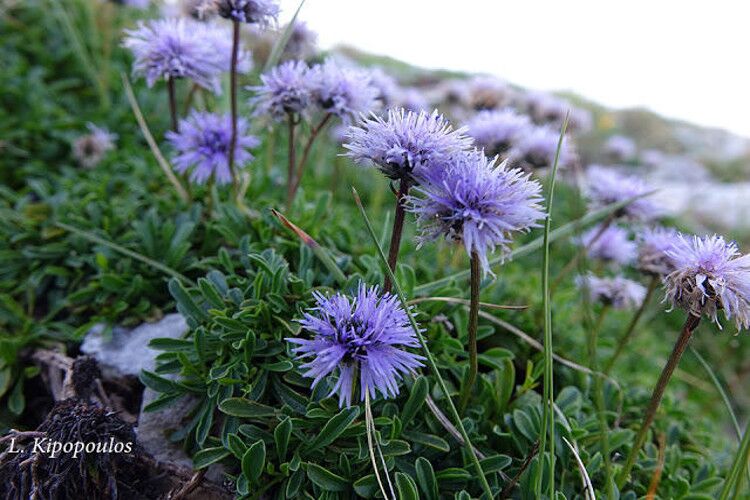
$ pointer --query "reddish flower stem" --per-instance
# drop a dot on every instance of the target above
(397, 231)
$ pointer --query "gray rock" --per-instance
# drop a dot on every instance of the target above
(126, 351)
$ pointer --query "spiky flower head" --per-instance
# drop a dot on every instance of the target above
(363, 338)
(286, 89)
(342, 91)
(202, 146)
(605, 186)
(262, 12)
(90, 149)
(710, 275)
(182, 48)
(387, 87)
(405, 144)
(488, 92)
(536, 149)
(478, 203)
(496, 131)
(610, 244)
(654, 245)
(545, 108)
(620, 148)
(412, 99)
(302, 42)
(618, 292)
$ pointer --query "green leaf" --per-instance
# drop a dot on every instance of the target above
(426, 478)
(326, 479)
(236, 445)
(367, 486)
(281, 435)
(495, 463)
(158, 383)
(16, 400)
(416, 399)
(493, 358)
(334, 427)
(185, 303)
(254, 460)
(407, 489)
(430, 440)
(208, 456)
(241, 407)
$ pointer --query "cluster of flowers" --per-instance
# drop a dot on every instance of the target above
(702, 275)
(461, 195)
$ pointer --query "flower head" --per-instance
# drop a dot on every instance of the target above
(202, 146)
(406, 144)
(605, 186)
(342, 91)
(262, 12)
(545, 108)
(387, 87)
(618, 292)
(478, 203)
(620, 148)
(302, 42)
(497, 131)
(487, 92)
(286, 90)
(363, 337)
(536, 148)
(610, 244)
(181, 48)
(654, 245)
(710, 275)
(89, 149)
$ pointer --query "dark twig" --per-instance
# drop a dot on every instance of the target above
(233, 100)
(397, 231)
(173, 104)
(509, 487)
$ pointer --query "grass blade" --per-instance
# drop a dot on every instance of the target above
(548, 415)
(166, 168)
(320, 252)
(588, 488)
(278, 47)
(121, 249)
(532, 246)
(427, 353)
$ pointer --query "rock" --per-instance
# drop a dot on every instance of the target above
(126, 351)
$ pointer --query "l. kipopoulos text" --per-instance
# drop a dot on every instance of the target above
(53, 449)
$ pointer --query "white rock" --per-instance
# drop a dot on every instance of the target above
(126, 351)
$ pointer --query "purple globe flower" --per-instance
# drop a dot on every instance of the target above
(612, 245)
(90, 149)
(386, 86)
(182, 48)
(497, 131)
(618, 292)
(286, 90)
(342, 91)
(620, 148)
(545, 108)
(363, 337)
(202, 146)
(405, 145)
(536, 149)
(302, 42)
(488, 92)
(262, 12)
(605, 186)
(710, 275)
(477, 202)
(653, 247)
(412, 99)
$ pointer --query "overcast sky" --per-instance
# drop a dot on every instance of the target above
(684, 59)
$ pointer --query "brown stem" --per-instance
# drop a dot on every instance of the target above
(472, 331)
(679, 348)
(630, 330)
(306, 152)
(581, 251)
(292, 157)
(233, 100)
(525, 465)
(397, 231)
(173, 105)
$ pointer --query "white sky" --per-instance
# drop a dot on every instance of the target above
(684, 59)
